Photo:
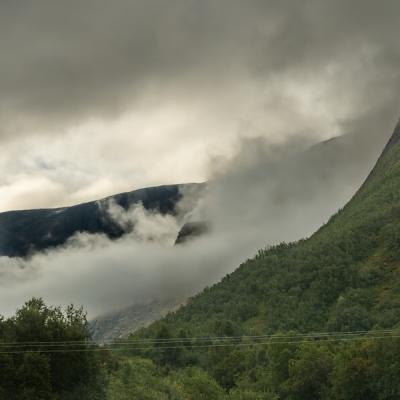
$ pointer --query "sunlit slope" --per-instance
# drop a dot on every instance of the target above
(345, 277)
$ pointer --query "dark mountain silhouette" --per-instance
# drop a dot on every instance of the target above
(191, 230)
(27, 231)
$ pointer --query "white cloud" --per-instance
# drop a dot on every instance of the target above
(266, 195)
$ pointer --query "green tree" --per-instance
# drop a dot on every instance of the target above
(195, 384)
(309, 373)
(36, 370)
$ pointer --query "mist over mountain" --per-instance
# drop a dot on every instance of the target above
(282, 108)
(263, 195)
(344, 274)
(267, 194)
(26, 232)
(341, 281)
(119, 324)
(336, 295)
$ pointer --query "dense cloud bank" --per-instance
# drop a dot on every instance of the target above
(163, 86)
(265, 194)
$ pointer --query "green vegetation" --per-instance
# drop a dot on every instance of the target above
(346, 277)
(29, 370)
(342, 280)
(141, 379)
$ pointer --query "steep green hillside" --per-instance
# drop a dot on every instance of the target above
(344, 279)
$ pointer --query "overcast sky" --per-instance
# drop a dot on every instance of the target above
(98, 97)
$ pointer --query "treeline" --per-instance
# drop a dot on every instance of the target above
(46, 354)
(358, 370)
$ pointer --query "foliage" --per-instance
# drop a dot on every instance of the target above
(138, 378)
(30, 371)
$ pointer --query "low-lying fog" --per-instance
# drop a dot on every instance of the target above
(265, 194)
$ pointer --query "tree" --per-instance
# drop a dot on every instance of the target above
(309, 373)
(35, 369)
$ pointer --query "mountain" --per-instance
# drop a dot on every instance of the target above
(123, 322)
(318, 319)
(341, 170)
(343, 281)
(25, 232)
(307, 285)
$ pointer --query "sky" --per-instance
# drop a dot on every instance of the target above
(100, 97)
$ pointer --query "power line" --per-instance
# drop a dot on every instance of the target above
(199, 339)
(203, 346)
(271, 336)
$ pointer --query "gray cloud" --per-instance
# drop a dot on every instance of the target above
(265, 194)
(76, 77)
(98, 97)
(94, 57)
(90, 58)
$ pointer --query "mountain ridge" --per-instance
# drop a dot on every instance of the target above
(24, 232)
(317, 271)
(342, 281)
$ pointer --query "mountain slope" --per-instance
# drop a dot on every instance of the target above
(345, 277)
(120, 324)
(27, 231)
(335, 154)
(254, 328)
